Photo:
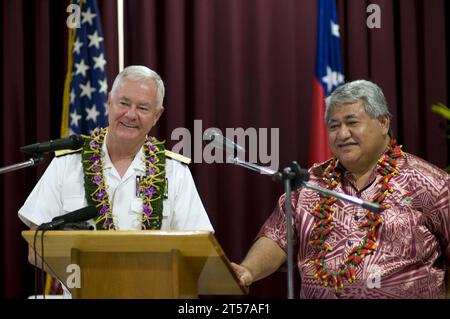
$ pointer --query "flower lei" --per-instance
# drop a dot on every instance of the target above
(152, 187)
(387, 168)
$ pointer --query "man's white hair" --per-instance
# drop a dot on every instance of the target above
(142, 73)
(371, 95)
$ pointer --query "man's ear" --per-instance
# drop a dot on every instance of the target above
(385, 123)
(158, 114)
(109, 101)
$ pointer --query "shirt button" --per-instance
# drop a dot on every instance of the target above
(349, 243)
(355, 217)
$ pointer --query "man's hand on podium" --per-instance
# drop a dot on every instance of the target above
(244, 275)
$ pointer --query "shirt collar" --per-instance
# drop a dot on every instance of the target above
(138, 163)
(348, 176)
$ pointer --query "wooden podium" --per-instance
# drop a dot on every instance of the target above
(138, 264)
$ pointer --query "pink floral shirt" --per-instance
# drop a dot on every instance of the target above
(413, 242)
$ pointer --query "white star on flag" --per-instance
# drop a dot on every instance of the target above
(72, 96)
(88, 16)
(77, 46)
(95, 39)
(92, 113)
(86, 90)
(81, 68)
(332, 79)
(74, 118)
(335, 29)
(103, 86)
(99, 62)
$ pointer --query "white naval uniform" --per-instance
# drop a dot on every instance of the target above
(61, 190)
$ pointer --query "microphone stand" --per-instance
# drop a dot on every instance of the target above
(294, 177)
(31, 162)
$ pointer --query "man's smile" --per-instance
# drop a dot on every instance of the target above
(129, 125)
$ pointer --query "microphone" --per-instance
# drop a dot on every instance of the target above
(73, 142)
(78, 215)
(212, 136)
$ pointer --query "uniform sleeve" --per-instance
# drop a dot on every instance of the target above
(44, 202)
(188, 210)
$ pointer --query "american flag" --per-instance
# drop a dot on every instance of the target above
(329, 74)
(86, 84)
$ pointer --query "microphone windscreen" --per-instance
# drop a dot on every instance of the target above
(77, 141)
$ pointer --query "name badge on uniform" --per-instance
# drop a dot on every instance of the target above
(140, 191)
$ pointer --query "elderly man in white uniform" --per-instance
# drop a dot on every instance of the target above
(128, 175)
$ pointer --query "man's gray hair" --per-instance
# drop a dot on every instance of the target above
(142, 73)
(373, 98)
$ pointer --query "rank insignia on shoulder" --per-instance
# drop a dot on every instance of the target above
(178, 157)
(60, 153)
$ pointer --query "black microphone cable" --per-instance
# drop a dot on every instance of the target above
(43, 273)
(35, 264)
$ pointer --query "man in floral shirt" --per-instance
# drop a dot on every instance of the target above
(344, 251)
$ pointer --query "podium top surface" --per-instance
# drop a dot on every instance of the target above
(189, 243)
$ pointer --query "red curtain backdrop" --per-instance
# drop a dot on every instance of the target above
(229, 63)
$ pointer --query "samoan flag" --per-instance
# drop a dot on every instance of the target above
(86, 91)
(328, 75)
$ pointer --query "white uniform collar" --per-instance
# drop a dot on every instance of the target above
(138, 163)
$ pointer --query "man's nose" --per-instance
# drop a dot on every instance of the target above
(131, 112)
(343, 132)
